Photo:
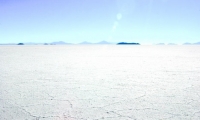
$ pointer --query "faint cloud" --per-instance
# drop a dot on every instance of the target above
(126, 6)
(115, 26)
(116, 23)
(119, 16)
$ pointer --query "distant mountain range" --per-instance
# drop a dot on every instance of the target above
(101, 42)
(187, 43)
(172, 44)
(88, 43)
(198, 43)
(65, 43)
(160, 44)
(85, 43)
(60, 43)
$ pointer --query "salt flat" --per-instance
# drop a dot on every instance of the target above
(94, 82)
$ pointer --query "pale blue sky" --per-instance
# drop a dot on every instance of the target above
(144, 21)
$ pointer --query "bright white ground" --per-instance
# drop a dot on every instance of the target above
(99, 82)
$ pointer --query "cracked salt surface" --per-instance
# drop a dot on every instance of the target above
(99, 82)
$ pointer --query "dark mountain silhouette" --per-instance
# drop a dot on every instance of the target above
(125, 43)
(20, 44)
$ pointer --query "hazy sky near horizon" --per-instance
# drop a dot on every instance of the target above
(74, 21)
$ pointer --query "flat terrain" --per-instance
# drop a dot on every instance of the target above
(96, 82)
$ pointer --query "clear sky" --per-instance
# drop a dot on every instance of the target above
(74, 21)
